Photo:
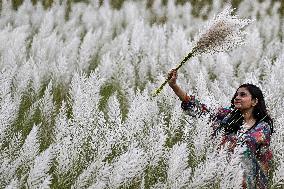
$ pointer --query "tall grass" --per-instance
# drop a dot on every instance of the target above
(75, 103)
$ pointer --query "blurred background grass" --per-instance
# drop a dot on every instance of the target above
(197, 4)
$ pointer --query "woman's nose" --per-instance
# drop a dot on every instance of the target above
(237, 97)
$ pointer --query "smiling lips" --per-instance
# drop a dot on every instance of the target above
(237, 102)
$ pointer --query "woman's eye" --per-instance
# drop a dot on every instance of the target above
(241, 94)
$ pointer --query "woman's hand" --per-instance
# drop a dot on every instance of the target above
(172, 76)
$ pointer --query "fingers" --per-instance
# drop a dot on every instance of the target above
(172, 77)
(172, 74)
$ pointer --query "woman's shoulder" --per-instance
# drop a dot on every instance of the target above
(261, 132)
(262, 125)
(221, 112)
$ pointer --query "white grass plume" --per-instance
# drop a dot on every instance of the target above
(234, 171)
(38, 175)
(13, 184)
(30, 147)
(222, 33)
(128, 166)
(46, 103)
(178, 171)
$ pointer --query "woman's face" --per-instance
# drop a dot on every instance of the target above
(243, 100)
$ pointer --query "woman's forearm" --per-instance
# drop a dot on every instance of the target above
(179, 92)
(172, 76)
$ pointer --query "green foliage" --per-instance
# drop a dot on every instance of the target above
(93, 63)
(46, 3)
(109, 89)
(116, 4)
(23, 124)
(174, 138)
(155, 174)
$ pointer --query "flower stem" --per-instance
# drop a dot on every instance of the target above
(158, 90)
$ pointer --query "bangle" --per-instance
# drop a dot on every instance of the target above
(186, 98)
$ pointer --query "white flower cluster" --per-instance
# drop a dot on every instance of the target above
(222, 33)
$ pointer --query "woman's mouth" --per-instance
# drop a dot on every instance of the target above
(237, 103)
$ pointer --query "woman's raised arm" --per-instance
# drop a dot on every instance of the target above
(172, 75)
(189, 104)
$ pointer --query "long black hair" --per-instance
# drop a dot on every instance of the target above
(234, 120)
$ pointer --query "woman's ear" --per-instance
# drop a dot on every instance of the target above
(255, 101)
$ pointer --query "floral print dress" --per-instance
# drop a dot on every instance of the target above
(255, 142)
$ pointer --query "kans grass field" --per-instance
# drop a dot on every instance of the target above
(76, 79)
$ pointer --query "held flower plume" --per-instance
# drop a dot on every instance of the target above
(223, 33)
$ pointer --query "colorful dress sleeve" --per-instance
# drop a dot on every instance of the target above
(193, 107)
(255, 155)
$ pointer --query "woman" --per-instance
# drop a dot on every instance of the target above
(246, 123)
